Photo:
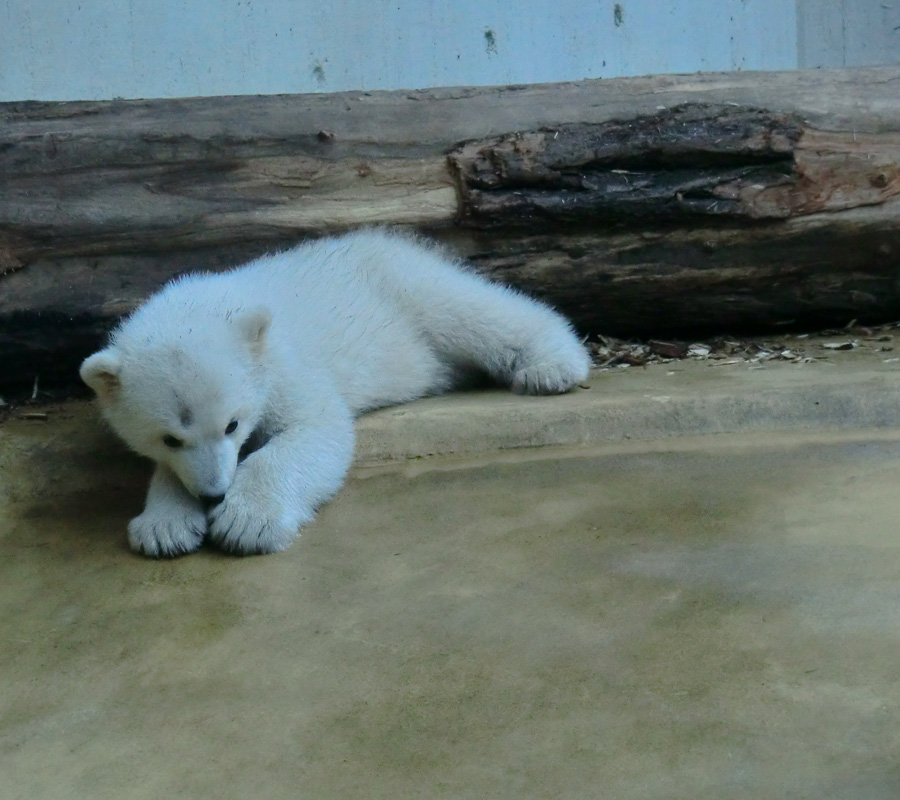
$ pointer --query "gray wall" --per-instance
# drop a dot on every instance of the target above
(848, 33)
(96, 49)
(81, 49)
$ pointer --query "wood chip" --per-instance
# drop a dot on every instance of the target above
(668, 349)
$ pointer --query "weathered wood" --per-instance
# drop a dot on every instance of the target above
(803, 273)
(807, 272)
(693, 160)
(56, 311)
(653, 205)
(136, 176)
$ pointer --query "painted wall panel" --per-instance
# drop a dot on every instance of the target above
(848, 33)
(82, 49)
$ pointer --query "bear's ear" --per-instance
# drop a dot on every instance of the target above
(101, 372)
(253, 325)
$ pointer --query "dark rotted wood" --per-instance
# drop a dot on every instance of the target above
(800, 274)
(691, 161)
(639, 206)
(694, 159)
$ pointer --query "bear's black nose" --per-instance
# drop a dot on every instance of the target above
(210, 500)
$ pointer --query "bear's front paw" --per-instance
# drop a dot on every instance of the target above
(167, 535)
(243, 525)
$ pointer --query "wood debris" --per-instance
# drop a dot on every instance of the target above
(609, 352)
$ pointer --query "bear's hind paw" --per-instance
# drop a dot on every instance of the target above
(547, 378)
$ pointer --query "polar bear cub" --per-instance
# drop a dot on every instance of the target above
(243, 386)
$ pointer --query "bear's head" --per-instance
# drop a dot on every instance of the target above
(186, 396)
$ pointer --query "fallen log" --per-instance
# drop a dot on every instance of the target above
(639, 206)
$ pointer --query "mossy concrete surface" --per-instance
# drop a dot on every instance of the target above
(682, 582)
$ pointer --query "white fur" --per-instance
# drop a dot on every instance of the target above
(292, 347)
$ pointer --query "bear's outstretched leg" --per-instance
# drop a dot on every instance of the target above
(277, 488)
(472, 323)
(519, 342)
(173, 522)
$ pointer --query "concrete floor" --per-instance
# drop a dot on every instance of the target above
(700, 616)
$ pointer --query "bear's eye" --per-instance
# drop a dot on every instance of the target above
(171, 441)
(232, 427)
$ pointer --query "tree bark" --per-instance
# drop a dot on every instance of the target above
(639, 206)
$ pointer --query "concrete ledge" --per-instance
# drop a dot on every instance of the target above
(685, 398)
(855, 390)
